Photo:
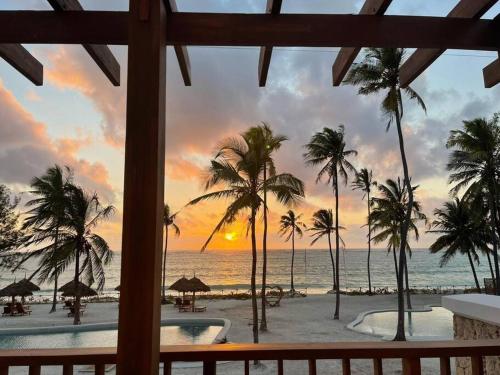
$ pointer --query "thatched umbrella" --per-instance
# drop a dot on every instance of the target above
(196, 285)
(16, 289)
(25, 283)
(182, 285)
(68, 290)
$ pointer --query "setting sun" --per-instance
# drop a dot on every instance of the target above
(230, 236)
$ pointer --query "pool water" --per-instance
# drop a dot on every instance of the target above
(170, 335)
(437, 323)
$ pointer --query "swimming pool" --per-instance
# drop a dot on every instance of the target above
(173, 332)
(430, 323)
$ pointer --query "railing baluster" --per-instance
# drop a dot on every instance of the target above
(377, 366)
(247, 368)
(444, 364)
(34, 370)
(99, 369)
(346, 366)
(477, 365)
(280, 367)
(4, 370)
(209, 368)
(167, 368)
(67, 369)
(312, 367)
(411, 366)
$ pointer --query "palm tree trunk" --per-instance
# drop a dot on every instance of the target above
(492, 272)
(292, 287)
(369, 247)
(408, 299)
(255, 312)
(494, 213)
(400, 332)
(56, 274)
(76, 280)
(337, 246)
(395, 262)
(164, 270)
(333, 261)
(474, 271)
(263, 321)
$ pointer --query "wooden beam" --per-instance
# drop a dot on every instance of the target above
(139, 329)
(491, 74)
(274, 8)
(421, 59)
(347, 55)
(284, 30)
(23, 61)
(101, 54)
(180, 51)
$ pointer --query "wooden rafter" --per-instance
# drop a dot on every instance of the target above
(101, 54)
(180, 50)
(285, 30)
(273, 8)
(491, 73)
(347, 55)
(20, 58)
(421, 59)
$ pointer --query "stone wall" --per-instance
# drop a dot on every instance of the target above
(470, 329)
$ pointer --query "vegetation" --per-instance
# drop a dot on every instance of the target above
(327, 148)
(291, 225)
(168, 221)
(10, 234)
(363, 181)
(379, 72)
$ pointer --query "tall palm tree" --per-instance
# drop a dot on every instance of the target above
(44, 219)
(379, 72)
(79, 244)
(238, 166)
(387, 216)
(168, 221)
(328, 149)
(363, 181)
(323, 225)
(474, 164)
(291, 225)
(461, 232)
(264, 142)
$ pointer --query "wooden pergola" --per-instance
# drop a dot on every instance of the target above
(148, 28)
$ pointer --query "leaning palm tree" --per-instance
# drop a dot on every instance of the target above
(323, 225)
(79, 244)
(379, 72)
(328, 149)
(264, 142)
(291, 225)
(475, 163)
(44, 220)
(461, 232)
(387, 216)
(168, 221)
(364, 181)
(238, 166)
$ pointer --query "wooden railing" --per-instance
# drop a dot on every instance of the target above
(409, 352)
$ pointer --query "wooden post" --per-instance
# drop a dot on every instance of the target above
(411, 366)
(444, 366)
(346, 366)
(139, 316)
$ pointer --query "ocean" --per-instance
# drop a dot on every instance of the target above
(229, 271)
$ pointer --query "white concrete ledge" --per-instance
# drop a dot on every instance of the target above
(483, 307)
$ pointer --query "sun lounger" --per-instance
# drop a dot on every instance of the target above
(7, 310)
(21, 310)
(72, 311)
(68, 305)
(178, 302)
(185, 308)
(200, 309)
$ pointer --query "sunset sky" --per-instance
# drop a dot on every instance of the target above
(78, 119)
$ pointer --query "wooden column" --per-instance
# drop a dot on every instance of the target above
(139, 317)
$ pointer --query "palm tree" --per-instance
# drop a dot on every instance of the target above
(387, 216)
(265, 143)
(475, 166)
(323, 225)
(327, 148)
(364, 181)
(45, 218)
(79, 244)
(290, 225)
(168, 221)
(462, 232)
(379, 72)
(238, 166)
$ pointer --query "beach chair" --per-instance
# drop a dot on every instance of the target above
(21, 310)
(7, 310)
(178, 302)
(200, 309)
(67, 305)
(72, 311)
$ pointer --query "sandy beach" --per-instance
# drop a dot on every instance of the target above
(296, 320)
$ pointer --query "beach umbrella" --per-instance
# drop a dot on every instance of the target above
(68, 290)
(181, 285)
(16, 289)
(196, 285)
